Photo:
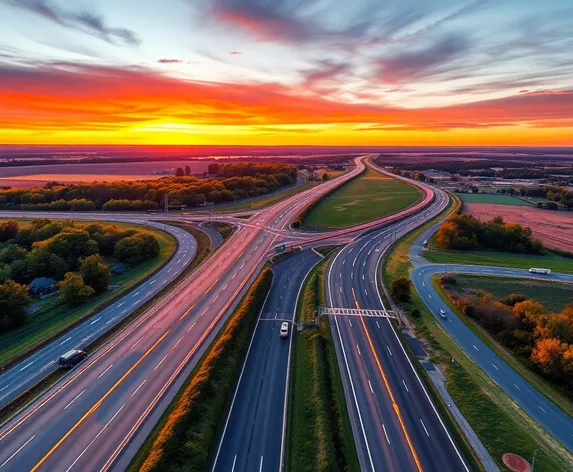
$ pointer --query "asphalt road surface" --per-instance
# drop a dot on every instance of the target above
(30, 370)
(253, 437)
(98, 415)
(395, 424)
(538, 406)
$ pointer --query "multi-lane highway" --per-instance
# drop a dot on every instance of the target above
(395, 424)
(538, 406)
(254, 432)
(108, 405)
(26, 373)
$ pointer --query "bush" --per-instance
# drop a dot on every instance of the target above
(400, 289)
(513, 299)
(95, 273)
(447, 280)
(137, 248)
(416, 313)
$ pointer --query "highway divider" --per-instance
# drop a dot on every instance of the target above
(184, 436)
(319, 434)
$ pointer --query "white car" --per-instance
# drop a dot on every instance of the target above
(443, 314)
(284, 330)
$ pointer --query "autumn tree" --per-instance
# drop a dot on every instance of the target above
(14, 300)
(73, 289)
(95, 273)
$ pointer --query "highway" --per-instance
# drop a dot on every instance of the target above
(254, 433)
(538, 406)
(395, 424)
(26, 373)
(96, 417)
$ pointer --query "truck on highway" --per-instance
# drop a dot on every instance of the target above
(72, 358)
(536, 270)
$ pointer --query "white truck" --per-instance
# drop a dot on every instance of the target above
(536, 270)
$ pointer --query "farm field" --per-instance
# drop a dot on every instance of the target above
(370, 195)
(493, 199)
(31, 176)
(551, 294)
(53, 317)
(553, 228)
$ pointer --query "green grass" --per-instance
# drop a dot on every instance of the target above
(553, 295)
(556, 394)
(366, 197)
(501, 259)
(53, 318)
(319, 432)
(499, 422)
(495, 198)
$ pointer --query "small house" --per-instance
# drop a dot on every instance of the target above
(42, 286)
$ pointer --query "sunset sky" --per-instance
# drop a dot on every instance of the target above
(328, 72)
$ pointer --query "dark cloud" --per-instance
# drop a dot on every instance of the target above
(407, 65)
(85, 21)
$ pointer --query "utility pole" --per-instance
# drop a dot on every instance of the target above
(166, 203)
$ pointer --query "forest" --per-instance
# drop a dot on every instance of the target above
(225, 183)
(73, 256)
(466, 232)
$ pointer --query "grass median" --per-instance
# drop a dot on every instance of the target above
(183, 438)
(319, 433)
(55, 318)
(366, 197)
(499, 422)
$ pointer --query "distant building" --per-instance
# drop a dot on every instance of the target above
(42, 286)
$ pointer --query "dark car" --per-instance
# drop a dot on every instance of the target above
(72, 358)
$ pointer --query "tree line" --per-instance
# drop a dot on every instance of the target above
(229, 182)
(466, 232)
(71, 254)
(544, 340)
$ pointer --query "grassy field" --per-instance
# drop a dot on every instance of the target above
(495, 198)
(499, 422)
(553, 295)
(501, 259)
(319, 432)
(54, 317)
(557, 395)
(366, 197)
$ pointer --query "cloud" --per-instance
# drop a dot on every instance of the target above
(235, 53)
(70, 96)
(408, 65)
(170, 61)
(85, 21)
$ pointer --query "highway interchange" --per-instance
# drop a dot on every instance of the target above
(97, 417)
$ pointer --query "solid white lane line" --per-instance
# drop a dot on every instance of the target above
(65, 341)
(137, 389)
(424, 426)
(26, 366)
(94, 439)
(78, 396)
(386, 434)
(405, 386)
(95, 321)
(101, 375)
(13, 455)
(370, 385)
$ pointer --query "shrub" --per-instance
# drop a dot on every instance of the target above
(400, 289)
(14, 300)
(416, 313)
(73, 289)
